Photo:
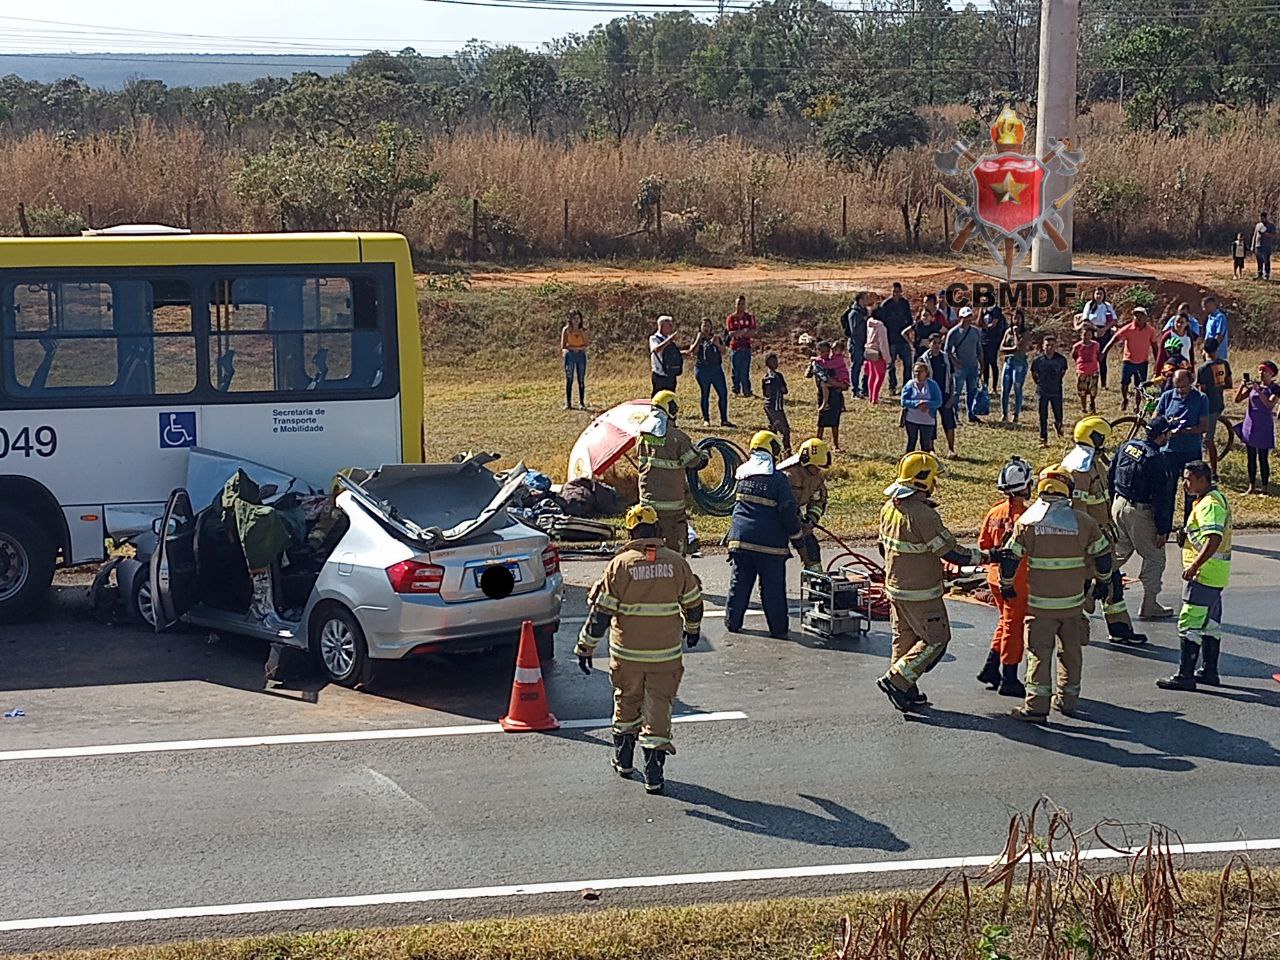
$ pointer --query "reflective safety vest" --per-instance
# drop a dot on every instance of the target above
(1093, 492)
(810, 489)
(765, 515)
(1211, 514)
(914, 540)
(652, 594)
(663, 462)
(1059, 543)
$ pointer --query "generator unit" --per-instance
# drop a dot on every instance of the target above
(835, 603)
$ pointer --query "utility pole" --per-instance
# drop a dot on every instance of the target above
(1055, 117)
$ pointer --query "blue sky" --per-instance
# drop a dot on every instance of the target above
(329, 26)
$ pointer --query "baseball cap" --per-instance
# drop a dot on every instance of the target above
(1141, 310)
(966, 311)
(1156, 426)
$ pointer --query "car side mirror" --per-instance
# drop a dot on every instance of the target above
(157, 526)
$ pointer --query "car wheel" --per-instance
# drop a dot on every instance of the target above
(141, 604)
(27, 558)
(340, 647)
(545, 640)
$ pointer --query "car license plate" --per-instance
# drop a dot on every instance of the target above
(513, 567)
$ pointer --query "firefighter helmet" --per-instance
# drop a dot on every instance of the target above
(639, 515)
(1055, 480)
(766, 440)
(816, 453)
(1015, 476)
(665, 400)
(1093, 431)
(919, 470)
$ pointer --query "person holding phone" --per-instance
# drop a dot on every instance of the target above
(1258, 428)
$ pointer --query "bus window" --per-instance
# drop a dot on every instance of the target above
(123, 338)
(294, 334)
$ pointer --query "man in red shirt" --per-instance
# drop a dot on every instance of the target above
(739, 325)
(1140, 340)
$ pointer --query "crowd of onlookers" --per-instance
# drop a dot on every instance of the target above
(946, 365)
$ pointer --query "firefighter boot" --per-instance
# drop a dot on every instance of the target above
(1208, 672)
(1010, 685)
(990, 674)
(918, 697)
(901, 699)
(653, 763)
(1123, 633)
(624, 750)
(1185, 678)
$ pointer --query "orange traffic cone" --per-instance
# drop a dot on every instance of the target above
(528, 711)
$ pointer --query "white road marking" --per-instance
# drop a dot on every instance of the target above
(572, 886)
(405, 733)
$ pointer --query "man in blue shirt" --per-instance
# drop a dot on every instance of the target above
(1187, 411)
(1215, 324)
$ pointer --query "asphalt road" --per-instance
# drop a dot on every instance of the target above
(820, 771)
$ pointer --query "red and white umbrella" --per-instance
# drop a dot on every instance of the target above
(607, 439)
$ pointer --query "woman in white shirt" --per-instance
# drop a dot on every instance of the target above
(1101, 315)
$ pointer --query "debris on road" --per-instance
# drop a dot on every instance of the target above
(15, 714)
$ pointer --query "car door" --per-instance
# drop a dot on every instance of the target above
(173, 565)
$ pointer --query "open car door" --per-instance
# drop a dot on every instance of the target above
(173, 565)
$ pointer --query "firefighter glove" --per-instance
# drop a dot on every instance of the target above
(691, 639)
(584, 664)
(1008, 592)
(1101, 589)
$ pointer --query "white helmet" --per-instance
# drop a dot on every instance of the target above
(1016, 475)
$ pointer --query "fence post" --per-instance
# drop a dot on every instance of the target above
(751, 220)
(844, 216)
(566, 223)
(22, 219)
(475, 227)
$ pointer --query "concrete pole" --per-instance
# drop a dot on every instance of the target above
(1055, 117)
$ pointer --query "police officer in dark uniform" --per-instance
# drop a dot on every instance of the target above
(765, 519)
(1142, 510)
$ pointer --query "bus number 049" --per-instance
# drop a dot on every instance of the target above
(42, 441)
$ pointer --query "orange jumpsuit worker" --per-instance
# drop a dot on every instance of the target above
(1000, 672)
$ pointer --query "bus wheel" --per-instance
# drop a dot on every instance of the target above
(27, 557)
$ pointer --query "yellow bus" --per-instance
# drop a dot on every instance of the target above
(123, 350)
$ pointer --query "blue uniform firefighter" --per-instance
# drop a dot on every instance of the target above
(765, 519)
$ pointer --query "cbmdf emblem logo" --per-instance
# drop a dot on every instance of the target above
(1008, 208)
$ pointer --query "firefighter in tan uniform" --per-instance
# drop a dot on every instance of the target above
(915, 542)
(807, 473)
(649, 601)
(1064, 548)
(1090, 476)
(665, 453)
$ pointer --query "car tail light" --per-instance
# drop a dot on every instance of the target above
(551, 560)
(409, 576)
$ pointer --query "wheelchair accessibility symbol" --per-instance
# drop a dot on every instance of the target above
(177, 430)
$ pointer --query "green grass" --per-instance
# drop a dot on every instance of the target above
(793, 929)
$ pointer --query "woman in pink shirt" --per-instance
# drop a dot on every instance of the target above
(876, 356)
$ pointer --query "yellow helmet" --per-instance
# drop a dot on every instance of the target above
(919, 470)
(816, 453)
(665, 400)
(641, 513)
(1055, 479)
(1093, 430)
(766, 440)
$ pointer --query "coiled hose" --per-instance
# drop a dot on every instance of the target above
(716, 501)
(877, 598)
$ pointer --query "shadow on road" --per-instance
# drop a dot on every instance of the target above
(1230, 664)
(834, 826)
(1100, 731)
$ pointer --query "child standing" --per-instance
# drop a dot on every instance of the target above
(1087, 353)
(1237, 256)
(1001, 669)
(774, 388)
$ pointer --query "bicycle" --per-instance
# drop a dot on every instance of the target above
(1220, 441)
